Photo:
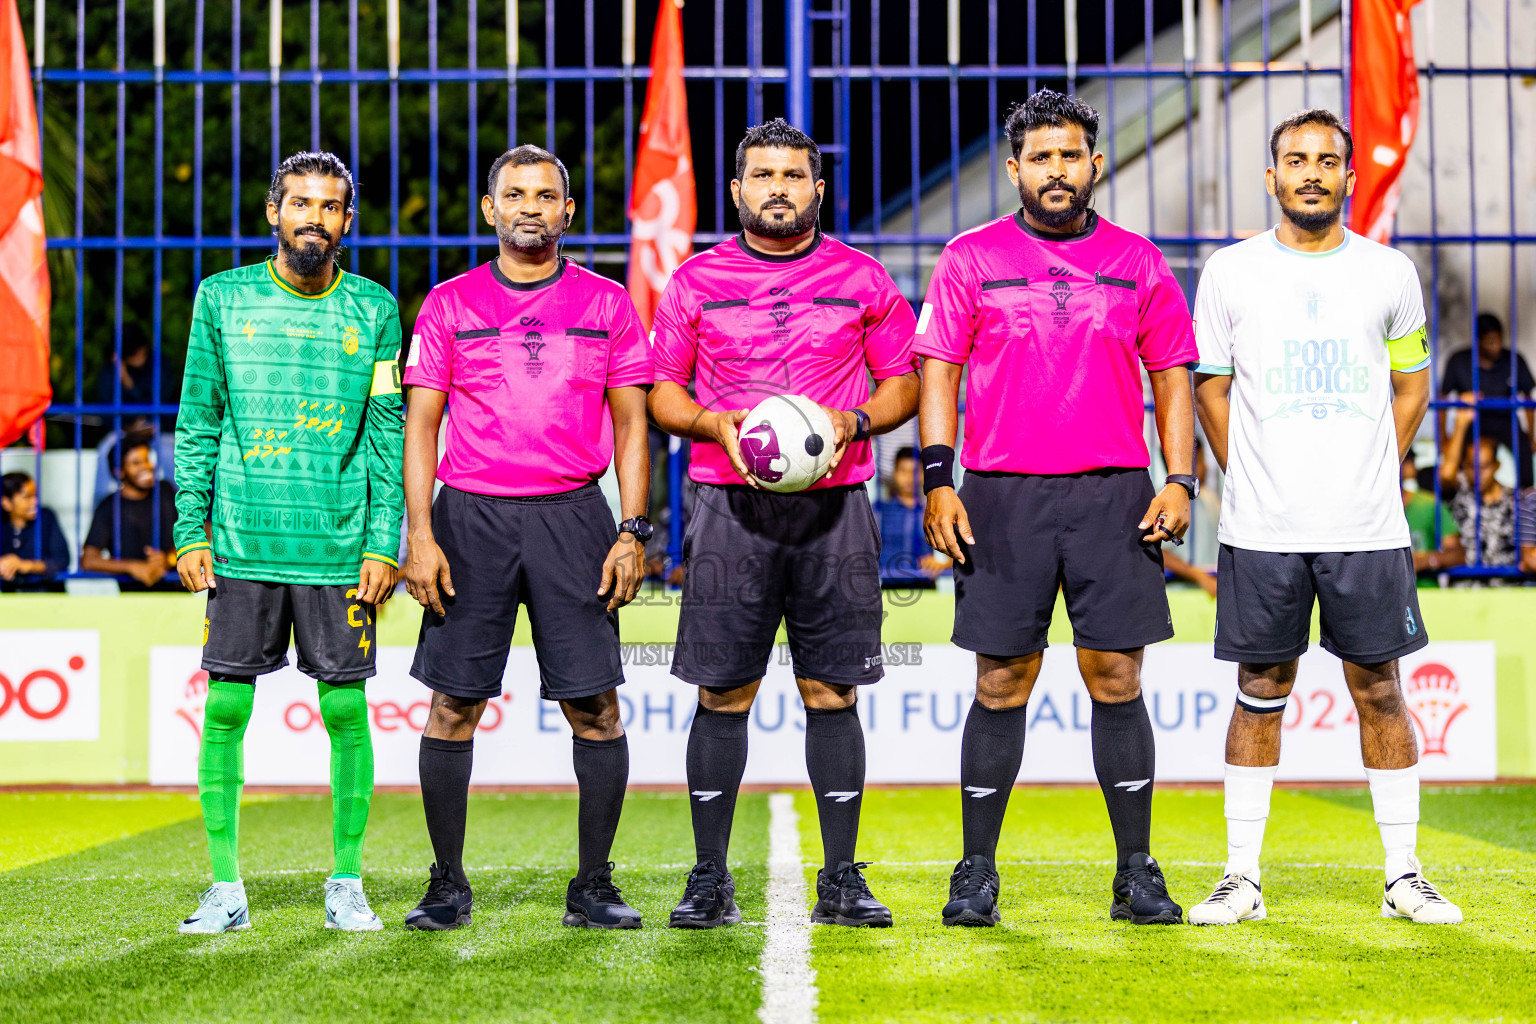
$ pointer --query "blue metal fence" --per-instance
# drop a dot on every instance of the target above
(902, 95)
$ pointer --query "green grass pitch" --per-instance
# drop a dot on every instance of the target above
(92, 886)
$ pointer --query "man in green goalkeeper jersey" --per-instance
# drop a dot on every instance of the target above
(291, 430)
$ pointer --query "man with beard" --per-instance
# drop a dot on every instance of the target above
(290, 428)
(542, 368)
(1312, 381)
(1056, 311)
(780, 309)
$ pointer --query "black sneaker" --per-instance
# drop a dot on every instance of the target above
(1141, 895)
(596, 903)
(708, 899)
(973, 890)
(843, 897)
(446, 904)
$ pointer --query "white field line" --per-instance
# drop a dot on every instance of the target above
(789, 982)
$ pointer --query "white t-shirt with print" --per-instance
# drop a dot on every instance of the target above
(1311, 444)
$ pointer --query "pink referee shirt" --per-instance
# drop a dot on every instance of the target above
(741, 325)
(1052, 330)
(525, 367)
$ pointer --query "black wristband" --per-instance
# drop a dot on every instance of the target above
(938, 467)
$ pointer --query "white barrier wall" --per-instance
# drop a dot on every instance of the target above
(912, 719)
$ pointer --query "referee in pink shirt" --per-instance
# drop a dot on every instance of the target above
(543, 369)
(780, 309)
(1055, 311)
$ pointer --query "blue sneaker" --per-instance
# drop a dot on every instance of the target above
(222, 908)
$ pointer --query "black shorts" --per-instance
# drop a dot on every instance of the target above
(1368, 605)
(751, 558)
(546, 552)
(249, 622)
(1076, 533)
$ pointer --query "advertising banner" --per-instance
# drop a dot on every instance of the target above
(912, 719)
(50, 685)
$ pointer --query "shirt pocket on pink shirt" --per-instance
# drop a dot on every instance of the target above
(589, 357)
(1116, 311)
(725, 327)
(476, 362)
(837, 325)
(1003, 311)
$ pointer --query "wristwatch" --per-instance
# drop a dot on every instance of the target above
(640, 526)
(1187, 481)
(863, 430)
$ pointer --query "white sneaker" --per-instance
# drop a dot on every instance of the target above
(1413, 897)
(346, 908)
(223, 908)
(1236, 898)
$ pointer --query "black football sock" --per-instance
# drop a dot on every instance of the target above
(717, 755)
(991, 750)
(834, 756)
(1125, 760)
(602, 772)
(444, 766)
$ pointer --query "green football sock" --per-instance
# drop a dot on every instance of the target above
(221, 773)
(344, 710)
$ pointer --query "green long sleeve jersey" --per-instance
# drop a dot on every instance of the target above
(291, 428)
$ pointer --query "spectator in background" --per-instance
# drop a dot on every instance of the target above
(1528, 532)
(123, 539)
(1483, 507)
(1421, 508)
(33, 552)
(1204, 515)
(906, 560)
(134, 371)
(1494, 365)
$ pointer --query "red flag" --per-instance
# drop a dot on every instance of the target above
(1384, 109)
(24, 388)
(663, 209)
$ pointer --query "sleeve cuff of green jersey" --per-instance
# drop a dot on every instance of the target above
(376, 557)
(194, 546)
(1212, 368)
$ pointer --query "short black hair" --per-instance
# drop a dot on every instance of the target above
(326, 164)
(1487, 323)
(524, 156)
(119, 451)
(906, 451)
(1312, 115)
(1050, 109)
(12, 483)
(777, 134)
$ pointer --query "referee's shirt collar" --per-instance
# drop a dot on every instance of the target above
(1090, 222)
(768, 257)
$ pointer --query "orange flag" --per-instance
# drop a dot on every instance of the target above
(1384, 109)
(24, 388)
(663, 209)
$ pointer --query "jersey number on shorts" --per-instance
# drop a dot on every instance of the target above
(360, 624)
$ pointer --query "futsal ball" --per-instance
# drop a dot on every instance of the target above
(787, 442)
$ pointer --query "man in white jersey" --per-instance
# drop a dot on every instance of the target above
(1311, 384)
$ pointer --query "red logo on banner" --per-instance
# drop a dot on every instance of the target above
(1434, 701)
(40, 694)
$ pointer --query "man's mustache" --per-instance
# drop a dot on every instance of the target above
(1048, 186)
(1312, 190)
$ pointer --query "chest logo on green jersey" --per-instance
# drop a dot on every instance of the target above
(1317, 377)
(349, 340)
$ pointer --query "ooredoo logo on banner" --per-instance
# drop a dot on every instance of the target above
(913, 719)
(50, 685)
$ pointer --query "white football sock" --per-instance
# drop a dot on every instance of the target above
(1395, 798)
(1247, 809)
